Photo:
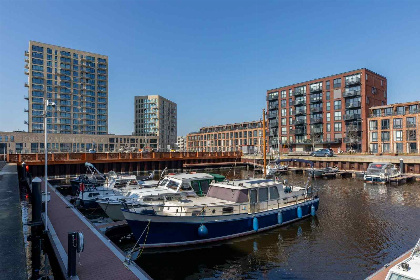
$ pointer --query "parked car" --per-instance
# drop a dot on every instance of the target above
(323, 153)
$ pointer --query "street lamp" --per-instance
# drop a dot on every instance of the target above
(46, 104)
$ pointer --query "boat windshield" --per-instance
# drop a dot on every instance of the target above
(172, 185)
(163, 182)
(234, 195)
(395, 276)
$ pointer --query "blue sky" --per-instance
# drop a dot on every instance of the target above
(215, 59)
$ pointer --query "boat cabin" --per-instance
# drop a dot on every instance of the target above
(184, 182)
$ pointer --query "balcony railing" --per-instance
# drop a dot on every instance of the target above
(316, 120)
(298, 93)
(26, 53)
(351, 93)
(299, 112)
(315, 89)
(352, 82)
(316, 131)
(26, 72)
(316, 99)
(316, 109)
(299, 102)
(415, 111)
(348, 117)
(25, 110)
(396, 126)
(352, 128)
(26, 85)
(297, 131)
(355, 104)
(26, 66)
(26, 97)
(272, 97)
(352, 139)
(27, 60)
(411, 125)
(298, 122)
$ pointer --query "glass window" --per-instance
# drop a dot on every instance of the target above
(385, 124)
(385, 135)
(337, 116)
(398, 135)
(337, 104)
(337, 83)
(328, 117)
(327, 95)
(327, 85)
(328, 127)
(328, 106)
(337, 126)
(262, 194)
(274, 194)
(374, 136)
(373, 125)
(397, 123)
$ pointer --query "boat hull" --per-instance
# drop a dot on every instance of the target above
(167, 231)
(112, 210)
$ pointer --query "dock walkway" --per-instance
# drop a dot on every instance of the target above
(12, 248)
(101, 259)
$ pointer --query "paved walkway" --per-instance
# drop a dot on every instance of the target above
(100, 258)
(12, 247)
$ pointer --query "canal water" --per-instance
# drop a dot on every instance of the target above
(357, 230)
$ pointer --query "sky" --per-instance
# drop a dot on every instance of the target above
(215, 59)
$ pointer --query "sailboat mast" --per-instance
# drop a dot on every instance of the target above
(265, 157)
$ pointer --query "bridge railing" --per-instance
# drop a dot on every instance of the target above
(103, 157)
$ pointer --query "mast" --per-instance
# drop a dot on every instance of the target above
(265, 157)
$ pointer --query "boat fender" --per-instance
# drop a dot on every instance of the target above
(202, 231)
(255, 223)
(313, 210)
(280, 218)
(299, 212)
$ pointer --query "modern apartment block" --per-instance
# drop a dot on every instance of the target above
(76, 81)
(226, 138)
(325, 112)
(394, 128)
(26, 142)
(156, 116)
(180, 144)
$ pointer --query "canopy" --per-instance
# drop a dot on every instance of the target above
(295, 160)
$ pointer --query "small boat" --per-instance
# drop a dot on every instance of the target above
(327, 172)
(190, 184)
(409, 268)
(229, 210)
(275, 169)
(380, 172)
(92, 178)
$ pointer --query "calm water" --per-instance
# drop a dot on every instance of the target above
(357, 230)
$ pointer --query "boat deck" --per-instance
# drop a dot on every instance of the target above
(381, 274)
(100, 258)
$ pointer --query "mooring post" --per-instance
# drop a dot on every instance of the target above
(36, 225)
(72, 248)
(401, 166)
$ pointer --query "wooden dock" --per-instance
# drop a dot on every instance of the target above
(402, 179)
(101, 259)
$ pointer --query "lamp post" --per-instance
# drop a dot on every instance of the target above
(46, 104)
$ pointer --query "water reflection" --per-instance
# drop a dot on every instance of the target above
(358, 229)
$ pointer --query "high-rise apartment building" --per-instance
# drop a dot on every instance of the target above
(156, 116)
(76, 81)
(325, 112)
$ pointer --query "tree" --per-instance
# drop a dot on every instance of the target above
(352, 135)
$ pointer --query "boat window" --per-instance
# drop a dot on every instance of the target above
(274, 193)
(204, 186)
(185, 187)
(93, 194)
(172, 185)
(227, 210)
(395, 276)
(163, 182)
(253, 196)
(238, 196)
(262, 194)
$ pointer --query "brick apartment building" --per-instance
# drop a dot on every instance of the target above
(394, 128)
(228, 137)
(325, 112)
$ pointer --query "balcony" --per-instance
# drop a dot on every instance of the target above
(352, 139)
(316, 120)
(299, 102)
(26, 53)
(273, 116)
(352, 82)
(316, 89)
(316, 109)
(274, 124)
(26, 85)
(353, 128)
(272, 97)
(316, 131)
(25, 122)
(26, 97)
(297, 131)
(26, 66)
(298, 122)
(27, 60)
(355, 104)
(273, 107)
(26, 72)
(351, 93)
(348, 117)
(414, 111)
(298, 93)
(26, 110)
(299, 112)
(316, 99)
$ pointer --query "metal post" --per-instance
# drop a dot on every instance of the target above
(264, 143)
(72, 248)
(46, 164)
(401, 166)
(36, 229)
(36, 200)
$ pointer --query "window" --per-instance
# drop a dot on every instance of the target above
(337, 83)
(385, 136)
(327, 85)
(337, 116)
(337, 126)
(397, 123)
(388, 111)
(327, 95)
(262, 194)
(328, 117)
(376, 113)
(283, 121)
(337, 105)
(283, 103)
(385, 124)
(373, 125)
(274, 194)
(398, 135)
(385, 147)
(411, 122)
(328, 106)
(400, 110)
(283, 112)
(374, 136)
(283, 94)
(328, 127)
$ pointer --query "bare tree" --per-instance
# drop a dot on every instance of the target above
(316, 136)
(352, 135)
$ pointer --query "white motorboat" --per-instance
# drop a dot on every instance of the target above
(381, 172)
(408, 269)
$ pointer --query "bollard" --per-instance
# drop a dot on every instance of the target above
(401, 166)
(72, 248)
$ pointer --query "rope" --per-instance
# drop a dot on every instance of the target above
(128, 257)
(145, 238)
